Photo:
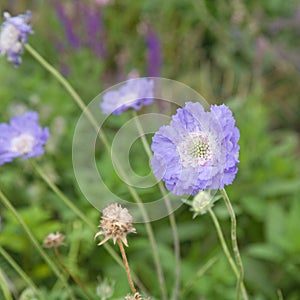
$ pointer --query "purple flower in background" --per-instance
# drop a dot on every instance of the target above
(68, 24)
(103, 2)
(153, 53)
(134, 93)
(23, 136)
(94, 30)
(198, 150)
(13, 36)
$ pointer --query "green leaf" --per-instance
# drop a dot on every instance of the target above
(266, 252)
(275, 223)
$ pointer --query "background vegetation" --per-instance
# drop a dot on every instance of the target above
(245, 54)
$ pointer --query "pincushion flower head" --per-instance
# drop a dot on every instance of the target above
(13, 36)
(198, 150)
(133, 94)
(115, 223)
(23, 136)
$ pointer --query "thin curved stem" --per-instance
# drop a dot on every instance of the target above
(75, 279)
(77, 212)
(22, 274)
(103, 138)
(127, 269)
(61, 195)
(169, 208)
(234, 242)
(4, 287)
(199, 274)
(226, 251)
(64, 83)
(35, 243)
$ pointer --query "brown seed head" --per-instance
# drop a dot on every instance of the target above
(54, 240)
(136, 296)
(115, 223)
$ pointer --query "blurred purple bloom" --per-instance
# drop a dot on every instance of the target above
(94, 30)
(68, 25)
(23, 136)
(153, 53)
(198, 150)
(134, 93)
(13, 36)
(104, 2)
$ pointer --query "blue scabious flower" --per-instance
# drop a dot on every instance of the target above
(198, 150)
(13, 36)
(133, 94)
(23, 136)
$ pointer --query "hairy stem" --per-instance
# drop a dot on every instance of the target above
(226, 251)
(234, 243)
(127, 269)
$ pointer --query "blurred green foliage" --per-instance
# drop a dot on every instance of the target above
(242, 53)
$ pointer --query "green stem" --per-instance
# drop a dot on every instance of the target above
(64, 83)
(35, 243)
(103, 138)
(4, 287)
(22, 274)
(169, 208)
(199, 273)
(234, 242)
(175, 242)
(77, 212)
(279, 294)
(75, 279)
(61, 195)
(226, 251)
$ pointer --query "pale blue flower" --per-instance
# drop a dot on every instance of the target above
(13, 36)
(198, 150)
(22, 137)
(134, 93)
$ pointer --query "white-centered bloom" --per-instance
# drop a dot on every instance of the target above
(22, 137)
(13, 36)
(133, 94)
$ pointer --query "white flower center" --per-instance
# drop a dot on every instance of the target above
(23, 143)
(9, 39)
(195, 150)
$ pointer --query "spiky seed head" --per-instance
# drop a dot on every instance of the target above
(54, 240)
(115, 223)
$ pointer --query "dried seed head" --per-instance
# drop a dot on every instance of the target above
(115, 223)
(136, 296)
(54, 240)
